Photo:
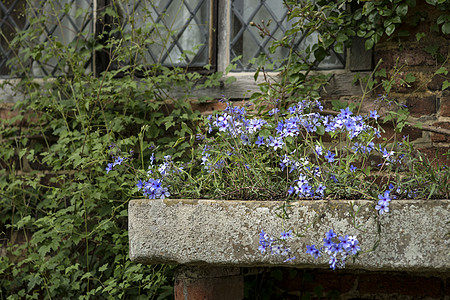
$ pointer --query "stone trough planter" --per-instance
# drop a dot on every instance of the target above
(226, 233)
(211, 233)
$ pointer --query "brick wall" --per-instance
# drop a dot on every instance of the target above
(288, 284)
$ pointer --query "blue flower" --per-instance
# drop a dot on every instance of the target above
(330, 156)
(345, 113)
(385, 198)
(289, 259)
(320, 190)
(276, 143)
(286, 235)
(291, 190)
(292, 109)
(274, 111)
(354, 247)
(319, 150)
(163, 193)
(346, 246)
(330, 234)
(313, 251)
(260, 141)
(140, 184)
(333, 261)
(373, 114)
(244, 139)
(333, 178)
(382, 208)
(109, 168)
(353, 168)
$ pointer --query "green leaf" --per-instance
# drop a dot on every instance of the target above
(230, 79)
(432, 49)
(445, 85)
(420, 35)
(446, 28)
(169, 124)
(320, 54)
(441, 70)
(339, 47)
(390, 29)
(72, 268)
(410, 78)
(103, 268)
(186, 128)
(22, 152)
(86, 275)
(381, 73)
(369, 44)
(180, 140)
(443, 19)
(341, 37)
(320, 130)
(255, 76)
(432, 2)
(402, 9)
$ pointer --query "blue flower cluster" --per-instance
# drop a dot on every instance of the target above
(383, 202)
(118, 160)
(291, 132)
(153, 188)
(274, 246)
(338, 249)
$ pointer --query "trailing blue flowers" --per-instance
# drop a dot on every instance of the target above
(273, 246)
(337, 248)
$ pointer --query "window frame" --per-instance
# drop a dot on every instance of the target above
(246, 84)
(219, 45)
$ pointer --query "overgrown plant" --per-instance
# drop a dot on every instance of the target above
(299, 153)
(63, 219)
(289, 148)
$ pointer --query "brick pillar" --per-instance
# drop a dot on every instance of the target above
(208, 283)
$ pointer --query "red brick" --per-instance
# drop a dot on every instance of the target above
(445, 104)
(209, 284)
(328, 280)
(437, 154)
(208, 107)
(435, 83)
(401, 284)
(421, 106)
(410, 57)
(447, 287)
(6, 113)
(412, 132)
(436, 137)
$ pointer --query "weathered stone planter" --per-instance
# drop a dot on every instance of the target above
(226, 233)
(218, 237)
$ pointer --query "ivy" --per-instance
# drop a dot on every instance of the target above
(64, 218)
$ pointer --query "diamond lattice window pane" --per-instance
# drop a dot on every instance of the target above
(246, 41)
(64, 22)
(176, 31)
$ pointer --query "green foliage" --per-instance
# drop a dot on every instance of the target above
(63, 219)
(333, 25)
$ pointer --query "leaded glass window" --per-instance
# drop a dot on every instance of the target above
(64, 21)
(246, 42)
(179, 32)
(175, 32)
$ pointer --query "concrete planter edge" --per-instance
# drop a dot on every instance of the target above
(414, 234)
